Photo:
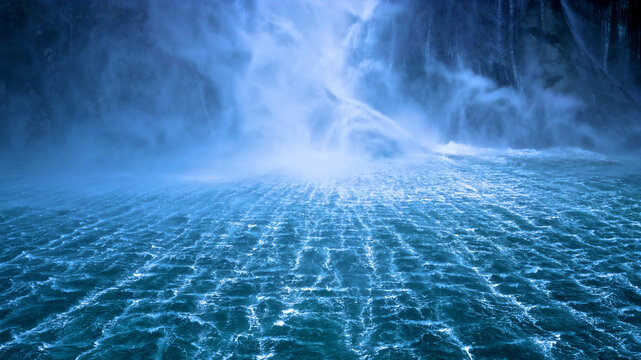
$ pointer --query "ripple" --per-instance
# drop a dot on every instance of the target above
(517, 255)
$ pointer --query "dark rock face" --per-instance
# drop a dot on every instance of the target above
(609, 32)
(555, 79)
(101, 69)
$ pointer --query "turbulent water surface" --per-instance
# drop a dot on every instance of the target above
(514, 255)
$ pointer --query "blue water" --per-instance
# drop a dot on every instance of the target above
(527, 255)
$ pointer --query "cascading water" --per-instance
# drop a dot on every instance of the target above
(294, 87)
(298, 90)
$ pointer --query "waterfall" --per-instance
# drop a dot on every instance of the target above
(363, 79)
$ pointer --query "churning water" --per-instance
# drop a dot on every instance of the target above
(511, 255)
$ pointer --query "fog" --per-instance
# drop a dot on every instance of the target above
(215, 88)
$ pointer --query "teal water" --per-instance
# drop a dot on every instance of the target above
(524, 255)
